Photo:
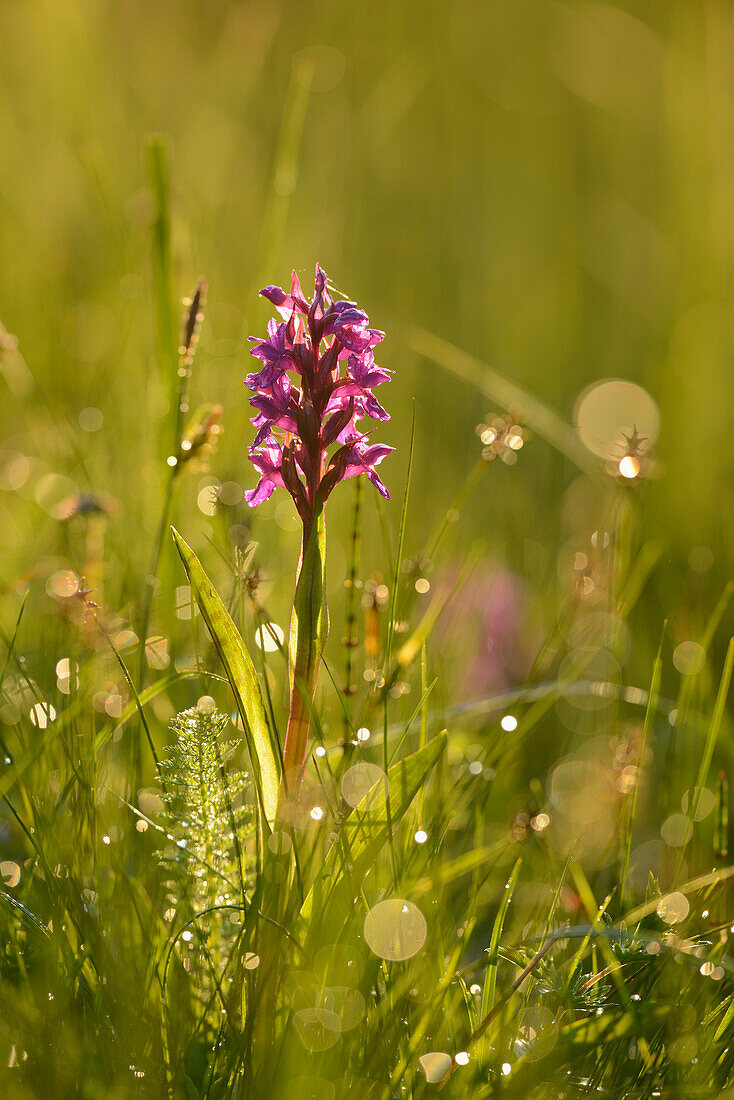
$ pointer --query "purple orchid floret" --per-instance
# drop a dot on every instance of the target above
(299, 421)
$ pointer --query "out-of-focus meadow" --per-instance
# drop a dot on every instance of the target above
(529, 197)
(544, 185)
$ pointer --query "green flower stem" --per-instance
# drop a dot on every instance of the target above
(309, 629)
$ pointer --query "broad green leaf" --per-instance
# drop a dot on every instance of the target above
(242, 677)
(363, 834)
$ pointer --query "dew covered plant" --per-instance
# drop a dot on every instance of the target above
(493, 862)
(206, 811)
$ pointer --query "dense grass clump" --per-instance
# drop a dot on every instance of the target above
(519, 893)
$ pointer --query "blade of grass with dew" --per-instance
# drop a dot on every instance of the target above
(613, 964)
(450, 870)
(417, 709)
(710, 744)
(690, 682)
(406, 1068)
(240, 672)
(490, 973)
(657, 670)
(576, 961)
(591, 1034)
(691, 886)
(363, 834)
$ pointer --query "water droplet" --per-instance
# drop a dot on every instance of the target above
(436, 1065)
(269, 637)
(629, 467)
(63, 584)
(9, 873)
(673, 908)
(42, 714)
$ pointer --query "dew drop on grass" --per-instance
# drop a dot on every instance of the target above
(42, 714)
(436, 1065)
(673, 908)
(629, 467)
(395, 929)
(269, 637)
(9, 873)
(63, 584)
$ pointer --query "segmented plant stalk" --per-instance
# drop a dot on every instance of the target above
(350, 640)
(309, 629)
(721, 826)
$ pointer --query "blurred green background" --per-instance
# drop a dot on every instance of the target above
(545, 185)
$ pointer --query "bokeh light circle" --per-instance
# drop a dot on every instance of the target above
(395, 929)
(689, 658)
(673, 908)
(436, 1065)
(359, 780)
(611, 410)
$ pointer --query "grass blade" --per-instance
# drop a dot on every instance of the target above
(240, 672)
(490, 977)
(364, 833)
